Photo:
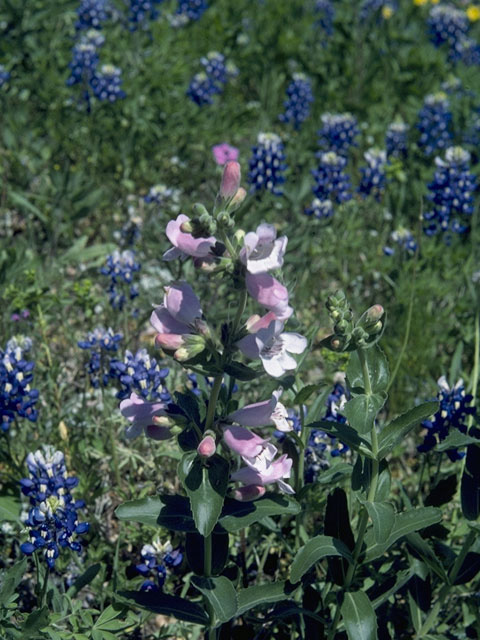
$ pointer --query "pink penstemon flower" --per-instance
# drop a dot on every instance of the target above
(144, 417)
(224, 152)
(270, 293)
(273, 347)
(184, 244)
(262, 251)
(230, 180)
(263, 413)
(263, 472)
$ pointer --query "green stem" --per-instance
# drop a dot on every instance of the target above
(362, 528)
(432, 617)
(212, 403)
(407, 330)
(476, 366)
(240, 309)
(113, 444)
(207, 556)
(44, 588)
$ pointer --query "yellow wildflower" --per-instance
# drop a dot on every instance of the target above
(473, 13)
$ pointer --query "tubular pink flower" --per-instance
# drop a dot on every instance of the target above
(141, 414)
(182, 303)
(275, 472)
(262, 252)
(185, 243)
(263, 413)
(169, 341)
(268, 292)
(224, 152)
(247, 494)
(273, 347)
(243, 441)
(207, 447)
(230, 180)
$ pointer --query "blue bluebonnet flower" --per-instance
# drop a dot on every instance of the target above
(107, 83)
(396, 142)
(373, 174)
(205, 85)
(325, 13)
(102, 344)
(452, 413)
(131, 231)
(159, 194)
(52, 520)
(93, 37)
(156, 559)
(451, 194)
(120, 267)
(141, 10)
(300, 96)
(91, 13)
(379, 8)
(143, 375)
(267, 164)
(467, 50)
(332, 185)
(405, 241)
(4, 75)
(447, 24)
(202, 89)
(338, 132)
(188, 11)
(17, 398)
(434, 124)
(83, 64)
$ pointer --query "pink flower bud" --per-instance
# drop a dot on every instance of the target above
(247, 494)
(375, 313)
(237, 199)
(230, 180)
(169, 341)
(207, 447)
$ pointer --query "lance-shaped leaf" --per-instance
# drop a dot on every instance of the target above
(238, 515)
(171, 512)
(382, 515)
(470, 487)
(455, 440)
(345, 434)
(405, 523)
(10, 579)
(377, 367)
(398, 429)
(401, 579)
(262, 594)
(168, 605)
(316, 549)
(362, 410)
(206, 485)
(221, 595)
(359, 616)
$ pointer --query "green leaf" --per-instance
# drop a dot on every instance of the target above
(35, 621)
(359, 616)
(316, 549)
(9, 508)
(168, 605)
(335, 473)
(24, 204)
(429, 557)
(378, 373)
(382, 515)
(362, 410)
(398, 429)
(206, 485)
(242, 372)
(402, 578)
(344, 433)
(10, 579)
(455, 440)
(405, 523)
(220, 593)
(304, 394)
(171, 512)
(470, 485)
(86, 577)
(238, 515)
(263, 594)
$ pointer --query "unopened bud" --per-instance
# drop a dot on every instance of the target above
(239, 235)
(163, 421)
(335, 344)
(249, 493)
(186, 227)
(202, 328)
(375, 313)
(207, 447)
(237, 199)
(199, 209)
(230, 180)
(193, 345)
(169, 341)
